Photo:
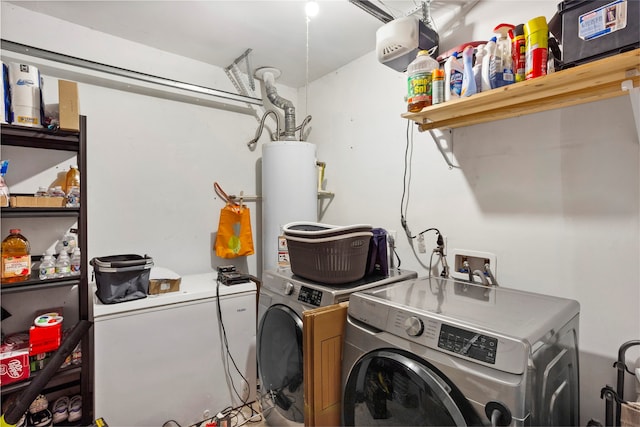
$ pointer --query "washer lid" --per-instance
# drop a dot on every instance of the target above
(498, 310)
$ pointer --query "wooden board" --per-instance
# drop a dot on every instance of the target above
(589, 82)
(323, 338)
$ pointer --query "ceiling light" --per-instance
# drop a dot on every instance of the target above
(311, 9)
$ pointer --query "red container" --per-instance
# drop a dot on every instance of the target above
(14, 366)
(44, 338)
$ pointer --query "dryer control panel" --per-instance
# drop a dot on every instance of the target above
(468, 343)
(310, 296)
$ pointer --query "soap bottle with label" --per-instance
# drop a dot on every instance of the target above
(16, 257)
(419, 74)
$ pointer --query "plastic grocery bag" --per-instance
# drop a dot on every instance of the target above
(235, 237)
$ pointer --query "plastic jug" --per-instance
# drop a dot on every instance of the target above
(16, 257)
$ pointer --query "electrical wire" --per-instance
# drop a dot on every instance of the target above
(404, 204)
(228, 351)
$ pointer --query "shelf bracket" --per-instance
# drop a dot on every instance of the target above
(437, 139)
(634, 96)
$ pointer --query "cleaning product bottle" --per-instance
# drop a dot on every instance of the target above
(16, 257)
(477, 66)
(452, 77)
(502, 64)
(437, 86)
(468, 79)
(536, 34)
(419, 81)
(489, 52)
(518, 50)
(47, 266)
(4, 189)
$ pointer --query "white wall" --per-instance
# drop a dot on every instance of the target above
(152, 160)
(554, 195)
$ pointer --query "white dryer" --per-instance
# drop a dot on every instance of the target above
(442, 352)
(283, 298)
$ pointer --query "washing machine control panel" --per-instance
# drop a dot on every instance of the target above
(468, 343)
(310, 296)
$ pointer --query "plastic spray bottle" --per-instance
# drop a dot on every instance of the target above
(468, 78)
(489, 51)
(477, 67)
(452, 77)
(518, 50)
(502, 64)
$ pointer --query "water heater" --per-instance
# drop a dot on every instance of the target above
(289, 191)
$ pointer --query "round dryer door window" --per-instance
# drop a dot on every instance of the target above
(395, 388)
(280, 363)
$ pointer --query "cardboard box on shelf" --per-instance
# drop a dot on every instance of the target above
(43, 339)
(68, 104)
(14, 359)
(36, 202)
(163, 280)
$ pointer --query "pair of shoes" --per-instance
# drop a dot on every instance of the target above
(40, 403)
(60, 410)
(41, 418)
(75, 408)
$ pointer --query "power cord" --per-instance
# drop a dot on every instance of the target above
(404, 206)
(228, 351)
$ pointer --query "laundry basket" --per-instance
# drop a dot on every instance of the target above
(121, 278)
(328, 254)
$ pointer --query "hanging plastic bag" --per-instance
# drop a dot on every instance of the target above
(235, 237)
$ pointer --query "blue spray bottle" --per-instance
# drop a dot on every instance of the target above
(468, 78)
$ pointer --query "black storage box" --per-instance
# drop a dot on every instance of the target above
(595, 29)
(121, 278)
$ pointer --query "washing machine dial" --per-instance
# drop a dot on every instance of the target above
(288, 288)
(413, 326)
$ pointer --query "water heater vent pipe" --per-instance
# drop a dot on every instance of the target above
(269, 75)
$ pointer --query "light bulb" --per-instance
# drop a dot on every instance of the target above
(311, 9)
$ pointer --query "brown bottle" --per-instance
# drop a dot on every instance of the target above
(16, 258)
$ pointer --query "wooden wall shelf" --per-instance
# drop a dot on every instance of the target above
(593, 81)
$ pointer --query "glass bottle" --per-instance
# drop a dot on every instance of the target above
(16, 257)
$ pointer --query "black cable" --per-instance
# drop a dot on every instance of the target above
(226, 344)
(405, 184)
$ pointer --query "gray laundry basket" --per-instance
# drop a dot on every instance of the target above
(121, 278)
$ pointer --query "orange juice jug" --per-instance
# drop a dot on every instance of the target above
(72, 179)
(16, 257)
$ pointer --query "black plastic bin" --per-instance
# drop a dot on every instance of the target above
(595, 29)
(121, 278)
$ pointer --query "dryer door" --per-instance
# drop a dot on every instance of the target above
(391, 387)
(279, 348)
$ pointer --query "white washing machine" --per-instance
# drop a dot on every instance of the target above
(283, 298)
(441, 352)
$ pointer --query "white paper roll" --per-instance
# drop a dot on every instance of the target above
(289, 191)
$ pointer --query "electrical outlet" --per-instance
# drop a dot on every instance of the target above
(245, 391)
(393, 235)
(476, 261)
(422, 248)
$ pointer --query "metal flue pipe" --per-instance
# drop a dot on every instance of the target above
(268, 75)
